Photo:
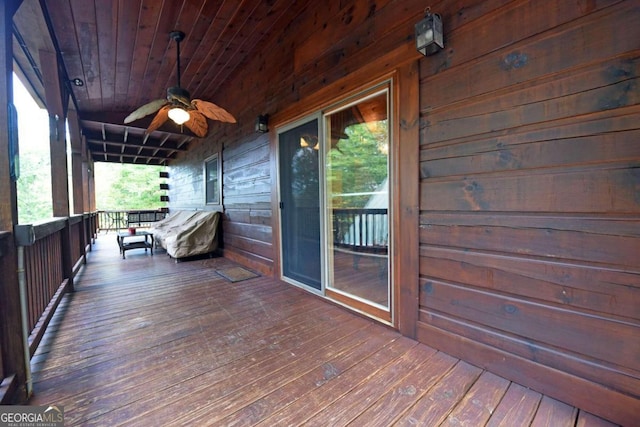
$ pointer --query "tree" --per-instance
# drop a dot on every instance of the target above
(358, 164)
(34, 186)
(34, 183)
(127, 186)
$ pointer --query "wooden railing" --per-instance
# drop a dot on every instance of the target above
(53, 252)
(112, 220)
(361, 230)
(4, 241)
(121, 219)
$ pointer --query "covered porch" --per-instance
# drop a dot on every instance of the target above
(510, 238)
(147, 341)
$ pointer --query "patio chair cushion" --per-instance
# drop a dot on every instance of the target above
(187, 233)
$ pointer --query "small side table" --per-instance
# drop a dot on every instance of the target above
(145, 244)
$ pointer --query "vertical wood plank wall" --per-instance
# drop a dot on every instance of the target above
(530, 197)
(529, 175)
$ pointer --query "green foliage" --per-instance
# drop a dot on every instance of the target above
(358, 164)
(118, 187)
(34, 185)
(126, 186)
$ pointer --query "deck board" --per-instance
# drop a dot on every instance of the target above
(552, 412)
(145, 341)
(348, 406)
(519, 404)
(433, 408)
(394, 402)
(479, 403)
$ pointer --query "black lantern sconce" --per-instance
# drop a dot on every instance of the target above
(429, 39)
(262, 123)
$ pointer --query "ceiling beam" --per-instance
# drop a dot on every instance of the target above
(117, 119)
(135, 142)
(97, 154)
(104, 146)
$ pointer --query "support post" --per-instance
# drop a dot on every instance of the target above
(77, 163)
(407, 198)
(11, 343)
(56, 99)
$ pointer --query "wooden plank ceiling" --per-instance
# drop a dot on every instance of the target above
(122, 52)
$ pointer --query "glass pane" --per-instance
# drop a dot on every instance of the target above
(300, 204)
(358, 200)
(211, 181)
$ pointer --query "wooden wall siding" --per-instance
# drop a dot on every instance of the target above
(246, 190)
(324, 43)
(529, 205)
(530, 197)
(186, 179)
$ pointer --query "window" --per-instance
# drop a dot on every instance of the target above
(212, 181)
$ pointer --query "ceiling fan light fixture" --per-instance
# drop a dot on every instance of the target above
(179, 115)
(179, 107)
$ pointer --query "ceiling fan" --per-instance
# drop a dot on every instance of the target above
(179, 107)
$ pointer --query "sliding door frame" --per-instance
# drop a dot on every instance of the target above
(404, 172)
(280, 130)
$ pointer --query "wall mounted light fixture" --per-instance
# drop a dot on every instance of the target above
(429, 38)
(262, 123)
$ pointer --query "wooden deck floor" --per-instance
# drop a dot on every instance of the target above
(145, 341)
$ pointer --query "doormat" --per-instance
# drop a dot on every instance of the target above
(236, 274)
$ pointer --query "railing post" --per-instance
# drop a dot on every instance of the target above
(94, 227)
(86, 229)
(13, 388)
(82, 231)
(67, 259)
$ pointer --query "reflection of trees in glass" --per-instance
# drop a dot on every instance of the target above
(304, 185)
(212, 184)
(358, 164)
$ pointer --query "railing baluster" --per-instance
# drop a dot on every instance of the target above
(51, 251)
(361, 229)
(117, 220)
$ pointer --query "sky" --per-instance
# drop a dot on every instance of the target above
(33, 122)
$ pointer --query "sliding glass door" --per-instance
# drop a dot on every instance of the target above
(357, 203)
(334, 203)
(298, 148)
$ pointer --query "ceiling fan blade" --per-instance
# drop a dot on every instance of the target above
(197, 123)
(212, 111)
(145, 110)
(159, 119)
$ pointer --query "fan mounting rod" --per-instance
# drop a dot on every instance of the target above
(178, 36)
